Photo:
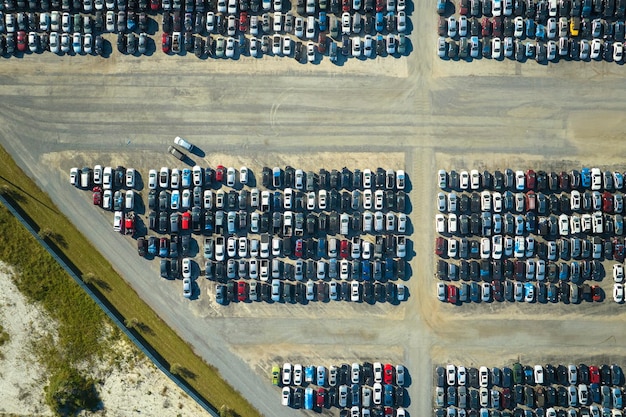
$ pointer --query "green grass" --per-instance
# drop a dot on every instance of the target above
(79, 319)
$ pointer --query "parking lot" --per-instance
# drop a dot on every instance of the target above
(418, 113)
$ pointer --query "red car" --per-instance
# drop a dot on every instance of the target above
(440, 246)
(380, 5)
(320, 398)
(486, 26)
(21, 41)
(321, 43)
(618, 250)
(166, 42)
(241, 291)
(388, 412)
(453, 294)
(243, 22)
(155, 4)
(506, 398)
(344, 249)
(497, 27)
(596, 293)
(298, 248)
(607, 202)
(97, 196)
(388, 374)
(531, 201)
(185, 220)
(464, 7)
(497, 290)
(531, 177)
(345, 5)
(564, 181)
(594, 374)
(219, 173)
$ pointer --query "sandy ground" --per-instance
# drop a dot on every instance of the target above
(133, 387)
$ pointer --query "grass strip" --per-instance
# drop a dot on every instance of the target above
(98, 272)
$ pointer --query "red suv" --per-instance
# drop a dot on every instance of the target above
(440, 246)
(298, 248)
(453, 292)
(388, 374)
(486, 25)
(185, 220)
(21, 41)
(166, 41)
(241, 291)
(594, 374)
(97, 196)
(344, 249)
(531, 177)
(607, 202)
(243, 22)
(219, 173)
(320, 399)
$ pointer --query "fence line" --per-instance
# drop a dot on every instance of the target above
(144, 347)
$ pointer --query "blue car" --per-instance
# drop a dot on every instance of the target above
(585, 177)
(322, 21)
(309, 373)
(321, 248)
(564, 272)
(388, 395)
(540, 32)
(186, 178)
(530, 28)
(356, 394)
(308, 399)
(152, 247)
(380, 22)
(389, 268)
(365, 271)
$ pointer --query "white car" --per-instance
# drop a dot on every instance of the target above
(463, 26)
(286, 396)
(441, 294)
(356, 47)
(485, 248)
(287, 373)
(130, 200)
(618, 293)
(346, 26)
(55, 45)
(355, 291)
(186, 267)
(483, 373)
(187, 287)
(618, 273)
(377, 398)
(538, 373)
(496, 8)
(464, 180)
(440, 222)
(519, 27)
(230, 177)
(451, 374)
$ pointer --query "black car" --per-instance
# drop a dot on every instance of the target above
(121, 42)
(298, 53)
(605, 375)
(345, 45)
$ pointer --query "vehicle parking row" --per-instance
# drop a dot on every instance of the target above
(529, 292)
(586, 179)
(499, 247)
(277, 178)
(542, 52)
(540, 10)
(539, 202)
(520, 270)
(281, 291)
(368, 389)
(538, 390)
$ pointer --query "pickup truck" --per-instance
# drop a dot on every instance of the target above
(288, 224)
(299, 227)
(178, 154)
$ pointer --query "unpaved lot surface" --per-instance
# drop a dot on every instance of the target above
(416, 112)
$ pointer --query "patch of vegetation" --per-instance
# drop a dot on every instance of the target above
(69, 392)
(4, 336)
(64, 295)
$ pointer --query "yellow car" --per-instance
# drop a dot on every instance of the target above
(574, 26)
(275, 375)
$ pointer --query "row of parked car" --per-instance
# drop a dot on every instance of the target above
(487, 224)
(282, 291)
(265, 269)
(586, 179)
(366, 389)
(520, 28)
(520, 270)
(528, 292)
(499, 247)
(541, 10)
(539, 202)
(519, 374)
(546, 391)
(276, 178)
(520, 50)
